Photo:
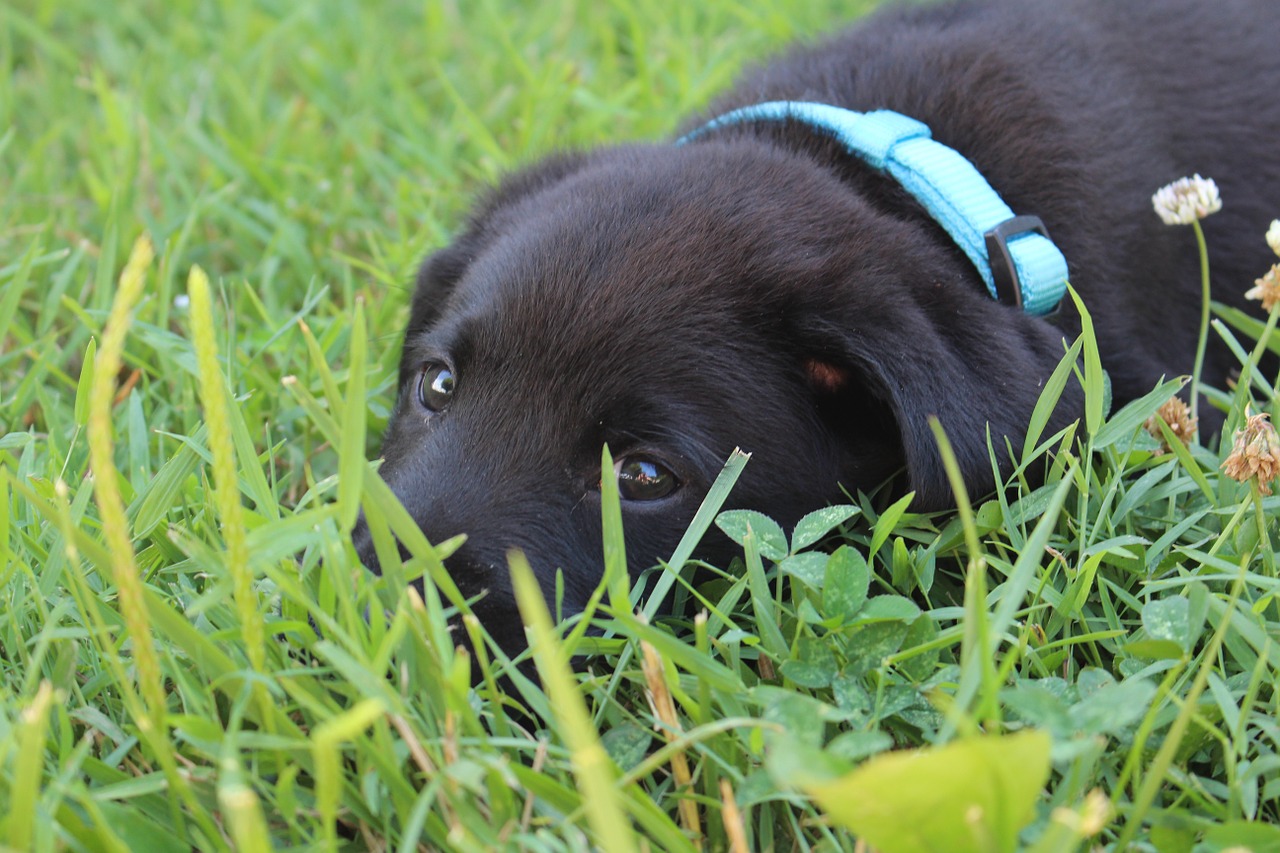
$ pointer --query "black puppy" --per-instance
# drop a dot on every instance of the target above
(760, 285)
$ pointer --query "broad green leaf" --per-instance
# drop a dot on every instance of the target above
(851, 695)
(1198, 597)
(1030, 507)
(889, 608)
(792, 754)
(819, 523)
(814, 665)
(1169, 619)
(769, 536)
(988, 516)
(970, 796)
(627, 744)
(1036, 704)
(872, 644)
(1112, 707)
(801, 716)
(845, 583)
(855, 746)
(809, 568)
(922, 632)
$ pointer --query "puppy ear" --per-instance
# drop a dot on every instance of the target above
(973, 369)
(441, 271)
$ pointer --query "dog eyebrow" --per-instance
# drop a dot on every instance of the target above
(693, 450)
(435, 344)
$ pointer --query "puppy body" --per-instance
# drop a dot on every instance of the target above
(761, 287)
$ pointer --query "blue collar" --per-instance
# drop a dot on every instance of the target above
(1014, 255)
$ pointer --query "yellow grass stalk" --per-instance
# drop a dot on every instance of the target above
(213, 397)
(327, 740)
(242, 813)
(732, 817)
(665, 707)
(106, 488)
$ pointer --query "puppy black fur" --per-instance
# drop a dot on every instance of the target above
(760, 287)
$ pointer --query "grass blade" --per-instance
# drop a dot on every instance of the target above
(213, 396)
(28, 769)
(351, 451)
(594, 771)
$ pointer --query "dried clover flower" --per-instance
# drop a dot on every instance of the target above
(1179, 420)
(1256, 453)
(1266, 288)
(1186, 200)
(1273, 236)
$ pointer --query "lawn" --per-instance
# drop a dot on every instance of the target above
(209, 217)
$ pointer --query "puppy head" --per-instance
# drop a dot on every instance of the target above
(673, 303)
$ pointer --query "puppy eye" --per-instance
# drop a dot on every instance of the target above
(435, 386)
(640, 478)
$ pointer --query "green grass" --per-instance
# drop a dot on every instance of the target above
(1090, 662)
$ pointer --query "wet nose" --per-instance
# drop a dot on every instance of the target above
(362, 540)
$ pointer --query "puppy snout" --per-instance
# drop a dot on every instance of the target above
(467, 566)
(362, 540)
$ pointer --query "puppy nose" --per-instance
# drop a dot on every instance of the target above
(466, 568)
(363, 543)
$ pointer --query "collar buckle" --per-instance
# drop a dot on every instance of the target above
(1004, 269)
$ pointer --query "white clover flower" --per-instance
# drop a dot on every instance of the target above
(1256, 453)
(1186, 200)
(1273, 236)
(1177, 416)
